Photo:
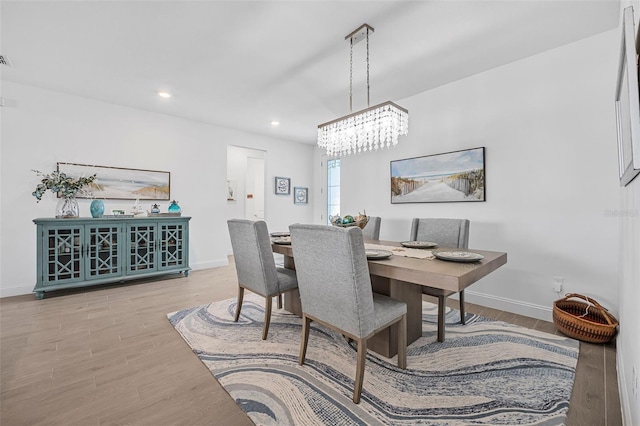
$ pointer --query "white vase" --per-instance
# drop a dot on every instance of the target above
(67, 208)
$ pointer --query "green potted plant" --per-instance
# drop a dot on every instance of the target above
(66, 187)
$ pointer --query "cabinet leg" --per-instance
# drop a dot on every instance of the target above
(39, 295)
(186, 273)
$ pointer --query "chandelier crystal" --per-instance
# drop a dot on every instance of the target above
(370, 129)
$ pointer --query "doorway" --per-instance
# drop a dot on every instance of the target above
(254, 179)
(246, 168)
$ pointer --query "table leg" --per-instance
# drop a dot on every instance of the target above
(386, 341)
(442, 303)
(292, 302)
(292, 298)
(462, 313)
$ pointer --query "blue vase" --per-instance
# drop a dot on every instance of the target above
(174, 207)
(97, 208)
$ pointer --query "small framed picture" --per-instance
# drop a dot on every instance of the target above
(300, 195)
(283, 186)
(232, 193)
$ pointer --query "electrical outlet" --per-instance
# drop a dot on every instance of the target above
(558, 284)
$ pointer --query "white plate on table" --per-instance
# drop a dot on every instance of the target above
(378, 254)
(457, 255)
(418, 244)
(282, 240)
(280, 234)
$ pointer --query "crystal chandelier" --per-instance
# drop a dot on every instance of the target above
(372, 128)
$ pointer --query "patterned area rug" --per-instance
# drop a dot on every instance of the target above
(486, 372)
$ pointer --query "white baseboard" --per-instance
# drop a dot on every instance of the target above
(625, 398)
(210, 264)
(16, 291)
(28, 288)
(519, 307)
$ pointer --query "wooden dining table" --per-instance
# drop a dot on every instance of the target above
(402, 278)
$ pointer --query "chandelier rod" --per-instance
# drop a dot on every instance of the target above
(368, 104)
(351, 75)
(356, 36)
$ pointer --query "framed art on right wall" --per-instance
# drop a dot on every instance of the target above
(440, 178)
(628, 103)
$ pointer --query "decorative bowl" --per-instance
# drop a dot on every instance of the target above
(359, 223)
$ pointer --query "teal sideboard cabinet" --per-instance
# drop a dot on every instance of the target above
(85, 251)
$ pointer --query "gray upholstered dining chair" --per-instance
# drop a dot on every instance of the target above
(448, 233)
(335, 291)
(256, 267)
(371, 230)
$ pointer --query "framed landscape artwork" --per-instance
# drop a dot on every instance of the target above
(448, 177)
(122, 184)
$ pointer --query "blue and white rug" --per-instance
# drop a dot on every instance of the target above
(485, 372)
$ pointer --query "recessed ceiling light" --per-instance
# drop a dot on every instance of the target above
(275, 123)
(164, 94)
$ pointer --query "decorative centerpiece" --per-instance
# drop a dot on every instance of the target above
(137, 208)
(360, 220)
(66, 188)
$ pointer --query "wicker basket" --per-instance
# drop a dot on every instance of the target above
(360, 223)
(584, 319)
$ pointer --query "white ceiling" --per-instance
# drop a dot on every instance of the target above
(241, 64)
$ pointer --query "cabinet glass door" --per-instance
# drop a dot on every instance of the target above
(142, 248)
(104, 258)
(62, 254)
(172, 245)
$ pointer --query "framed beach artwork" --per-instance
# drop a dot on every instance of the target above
(628, 104)
(449, 177)
(122, 184)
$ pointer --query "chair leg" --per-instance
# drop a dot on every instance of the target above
(306, 322)
(442, 301)
(239, 303)
(280, 301)
(402, 343)
(267, 317)
(462, 314)
(362, 357)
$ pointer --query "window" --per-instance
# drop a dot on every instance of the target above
(333, 188)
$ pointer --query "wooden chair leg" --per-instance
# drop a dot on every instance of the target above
(402, 343)
(442, 301)
(239, 303)
(462, 314)
(306, 322)
(280, 301)
(362, 357)
(267, 317)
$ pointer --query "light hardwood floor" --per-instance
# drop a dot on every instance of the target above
(108, 356)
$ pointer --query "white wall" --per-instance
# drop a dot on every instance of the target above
(40, 128)
(549, 130)
(628, 344)
(553, 198)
